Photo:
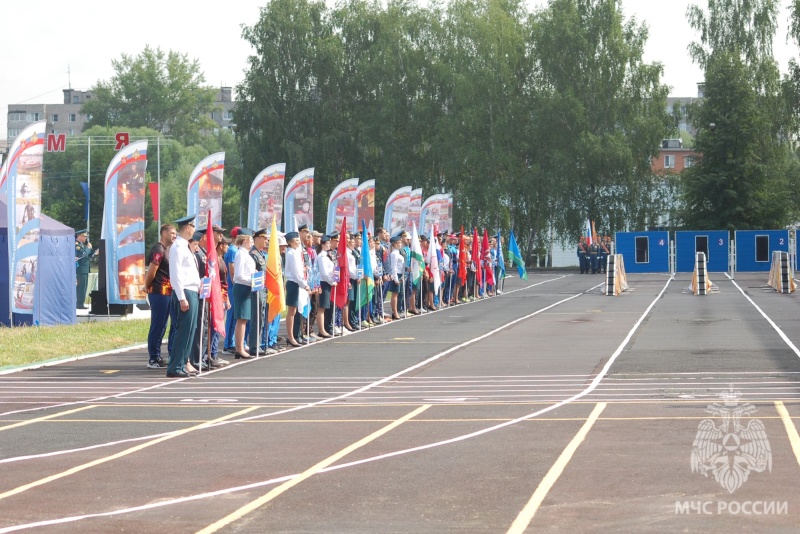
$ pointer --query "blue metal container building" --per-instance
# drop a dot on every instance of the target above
(644, 252)
(754, 248)
(715, 243)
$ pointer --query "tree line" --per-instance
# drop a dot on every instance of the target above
(535, 120)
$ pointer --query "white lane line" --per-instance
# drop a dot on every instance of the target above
(765, 316)
(525, 516)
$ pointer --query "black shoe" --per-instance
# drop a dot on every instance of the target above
(179, 374)
(240, 356)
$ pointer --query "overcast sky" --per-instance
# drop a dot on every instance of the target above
(42, 41)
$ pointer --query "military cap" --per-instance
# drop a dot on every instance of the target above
(261, 232)
(183, 221)
(81, 232)
(325, 239)
(334, 235)
(197, 236)
(235, 231)
(423, 237)
(302, 227)
(396, 239)
(245, 231)
(292, 235)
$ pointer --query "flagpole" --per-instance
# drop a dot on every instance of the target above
(202, 326)
(89, 184)
(158, 178)
(403, 293)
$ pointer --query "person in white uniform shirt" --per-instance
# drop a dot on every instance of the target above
(325, 267)
(397, 265)
(185, 280)
(243, 268)
(295, 282)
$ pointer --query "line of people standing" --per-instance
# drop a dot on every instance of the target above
(592, 257)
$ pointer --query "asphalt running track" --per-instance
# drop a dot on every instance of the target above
(550, 407)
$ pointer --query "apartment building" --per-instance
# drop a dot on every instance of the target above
(66, 118)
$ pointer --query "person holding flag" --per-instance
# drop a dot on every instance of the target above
(397, 265)
(295, 282)
(325, 268)
(417, 267)
(367, 279)
(340, 295)
(501, 263)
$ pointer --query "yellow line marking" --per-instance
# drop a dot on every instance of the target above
(791, 430)
(120, 454)
(45, 418)
(244, 510)
(526, 515)
(403, 338)
(110, 371)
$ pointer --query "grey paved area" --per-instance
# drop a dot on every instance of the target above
(551, 407)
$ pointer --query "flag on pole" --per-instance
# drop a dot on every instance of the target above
(153, 200)
(588, 232)
(487, 258)
(515, 257)
(276, 296)
(462, 259)
(433, 260)
(417, 259)
(85, 188)
(501, 261)
(216, 314)
(476, 256)
(368, 283)
(340, 294)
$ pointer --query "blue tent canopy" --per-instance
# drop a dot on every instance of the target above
(54, 296)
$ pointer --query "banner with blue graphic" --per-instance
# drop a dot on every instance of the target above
(123, 225)
(205, 190)
(342, 204)
(298, 201)
(22, 181)
(266, 197)
(394, 217)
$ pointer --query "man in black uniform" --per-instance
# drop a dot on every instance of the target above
(83, 259)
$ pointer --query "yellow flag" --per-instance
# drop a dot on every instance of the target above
(276, 294)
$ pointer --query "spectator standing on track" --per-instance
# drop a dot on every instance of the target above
(159, 296)
(185, 284)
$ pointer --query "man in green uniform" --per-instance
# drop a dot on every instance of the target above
(83, 257)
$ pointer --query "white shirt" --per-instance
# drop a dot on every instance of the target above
(351, 265)
(183, 273)
(397, 265)
(325, 267)
(294, 267)
(243, 268)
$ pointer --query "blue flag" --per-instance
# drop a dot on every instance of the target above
(368, 283)
(85, 187)
(515, 257)
(500, 259)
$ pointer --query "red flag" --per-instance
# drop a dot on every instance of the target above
(340, 295)
(462, 259)
(154, 200)
(476, 255)
(216, 314)
(487, 258)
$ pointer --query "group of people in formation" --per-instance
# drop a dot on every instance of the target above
(316, 306)
(592, 254)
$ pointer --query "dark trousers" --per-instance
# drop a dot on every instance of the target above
(83, 284)
(200, 340)
(160, 312)
(185, 325)
(257, 337)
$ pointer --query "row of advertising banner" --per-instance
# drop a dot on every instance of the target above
(124, 202)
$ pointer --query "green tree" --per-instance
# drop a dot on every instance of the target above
(745, 171)
(165, 92)
(600, 114)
